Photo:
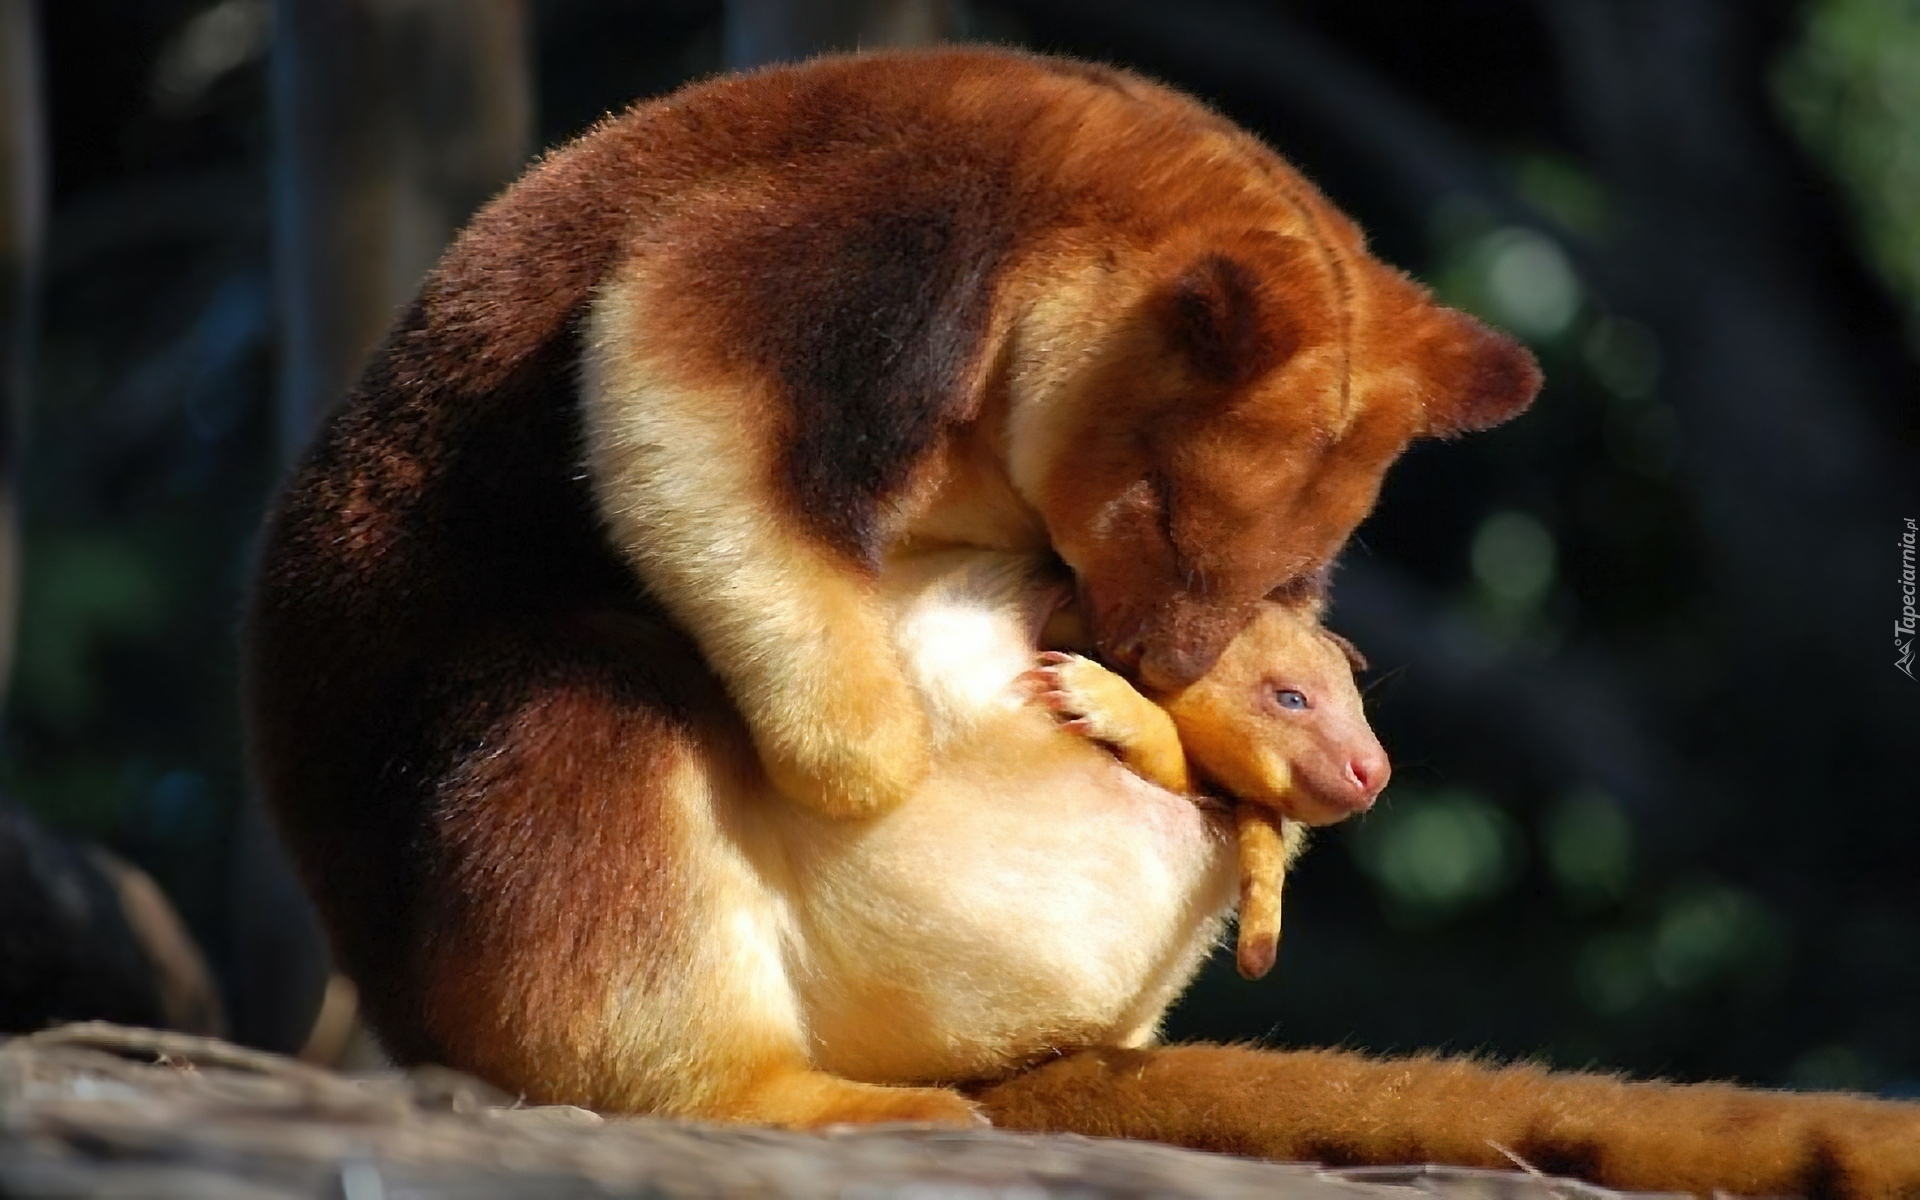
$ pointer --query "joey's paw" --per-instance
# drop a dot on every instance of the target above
(1084, 695)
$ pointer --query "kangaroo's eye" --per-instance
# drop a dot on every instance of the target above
(1288, 698)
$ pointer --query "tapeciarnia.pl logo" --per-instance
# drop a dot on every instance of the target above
(1903, 626)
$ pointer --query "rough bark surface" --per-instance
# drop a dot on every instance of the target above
(101, 1110)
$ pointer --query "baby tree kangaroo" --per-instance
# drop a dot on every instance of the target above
(1277, 724)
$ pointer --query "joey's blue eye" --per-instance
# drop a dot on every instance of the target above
(1288, 698)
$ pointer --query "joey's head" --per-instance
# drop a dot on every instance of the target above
(1228, 430)
(1278, 720)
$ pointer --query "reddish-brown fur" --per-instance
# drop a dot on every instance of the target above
(467, 711)
(502, 985)
(1345, 1109)
(852, 250)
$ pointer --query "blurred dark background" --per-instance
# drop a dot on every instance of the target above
(1656, 802)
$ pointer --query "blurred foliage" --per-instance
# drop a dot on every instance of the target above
(1588, 844)
(1851, 89)
(148, 460)
(1436, 856)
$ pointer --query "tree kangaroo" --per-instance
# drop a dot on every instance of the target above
(607, 529)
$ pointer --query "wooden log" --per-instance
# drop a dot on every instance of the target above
(98, 1110)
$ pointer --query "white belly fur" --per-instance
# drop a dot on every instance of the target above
(1033, 895)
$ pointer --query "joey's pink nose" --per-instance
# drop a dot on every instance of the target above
(1367, 774)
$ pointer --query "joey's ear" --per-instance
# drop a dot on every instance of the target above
(1356, 661)
(1476, 377)
(1232, 310)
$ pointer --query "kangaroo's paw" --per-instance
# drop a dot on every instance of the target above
(864, 758)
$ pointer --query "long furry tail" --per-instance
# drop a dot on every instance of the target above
(1347, 1109)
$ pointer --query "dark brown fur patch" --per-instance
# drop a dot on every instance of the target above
(1337, 1152)
(1824, 1175)
(1575, 1158)
(410, 594)
(881, 326)
(522, 952)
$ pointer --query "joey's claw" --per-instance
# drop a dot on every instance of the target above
(1045, 687)
(1068, 686)
(1091, 702)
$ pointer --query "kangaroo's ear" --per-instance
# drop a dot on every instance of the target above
(1233, 310)
(1476, 377)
